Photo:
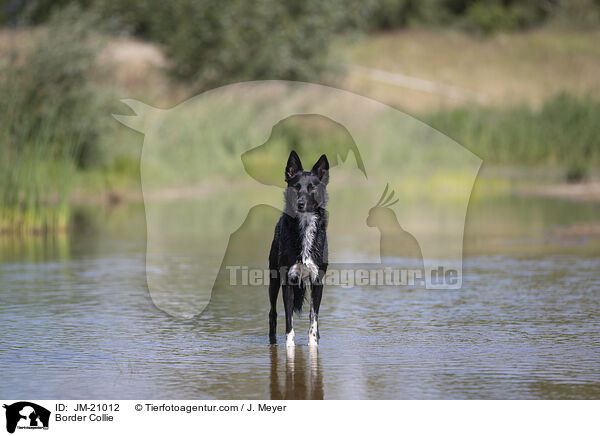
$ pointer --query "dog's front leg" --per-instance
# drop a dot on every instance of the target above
(288, 304)
(274, 285)
(315, 303)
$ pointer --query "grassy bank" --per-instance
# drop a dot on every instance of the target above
(563, 134)
(59, 86)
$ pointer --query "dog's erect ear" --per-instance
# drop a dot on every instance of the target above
(321, 169)
(293, 166)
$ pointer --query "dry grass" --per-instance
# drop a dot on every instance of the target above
(136, 69)
(507, 69)
(139, 70)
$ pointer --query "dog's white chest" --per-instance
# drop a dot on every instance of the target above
(308, 231)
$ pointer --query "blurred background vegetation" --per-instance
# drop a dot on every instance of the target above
(516, 82)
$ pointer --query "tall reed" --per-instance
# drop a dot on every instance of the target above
(50, 120)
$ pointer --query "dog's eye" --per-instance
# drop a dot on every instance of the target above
(309, 188)
(297, 187)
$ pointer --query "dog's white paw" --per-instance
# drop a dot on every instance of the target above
(313, 341)
(289, 339)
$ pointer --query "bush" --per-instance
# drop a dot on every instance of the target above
(47, 89)
(576, 172)
(212, 43)
(579, 14)
(394, 14)
(391, 14)
(484, 16)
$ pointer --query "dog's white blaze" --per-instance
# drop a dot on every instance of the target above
(308, 227)
(289, 339)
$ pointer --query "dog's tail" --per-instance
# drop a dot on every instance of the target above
(299, 294)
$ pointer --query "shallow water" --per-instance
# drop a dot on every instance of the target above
(77, 321)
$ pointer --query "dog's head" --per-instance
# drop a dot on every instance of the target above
(306, 190)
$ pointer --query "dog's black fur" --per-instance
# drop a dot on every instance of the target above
(298, 254)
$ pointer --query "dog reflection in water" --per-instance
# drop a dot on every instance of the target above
(298, 381)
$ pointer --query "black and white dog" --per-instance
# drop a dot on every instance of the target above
(298, 254)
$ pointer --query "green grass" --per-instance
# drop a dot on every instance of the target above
(52, 116)
(564, 133)
(35, 170)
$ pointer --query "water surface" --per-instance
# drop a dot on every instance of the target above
(77, 321)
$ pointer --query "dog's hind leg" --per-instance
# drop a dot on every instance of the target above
(274, 284)
(315, 303)
(288, 304)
